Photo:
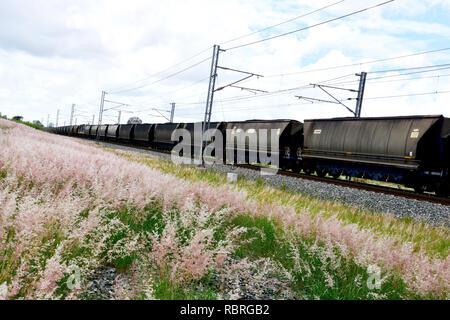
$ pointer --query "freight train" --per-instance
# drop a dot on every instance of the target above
(413, 151)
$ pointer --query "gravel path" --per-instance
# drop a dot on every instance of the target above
(399, 207)
(256, 280)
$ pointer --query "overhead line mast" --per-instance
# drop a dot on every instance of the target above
(212, 89)
(359, 99)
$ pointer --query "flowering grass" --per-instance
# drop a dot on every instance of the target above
(427, 242)
(433, 240)
(68, 208)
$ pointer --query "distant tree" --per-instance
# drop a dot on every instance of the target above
(17, 118)
(134, 120)
(51, 125)
(38, 123)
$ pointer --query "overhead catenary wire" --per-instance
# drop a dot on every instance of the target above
(162, 79)
(155, 99)
(310, 103)
(410, 79)
(265, 94)
(292, 19)
(408, 95)
(275, 92)
(396, 75)
(189, 105)
(361, 63)
(283, 22)
(412, 68)
(311, 26)
(433, 68)
(185, 69)
(228, 41)
(237, 99)
(162, 71)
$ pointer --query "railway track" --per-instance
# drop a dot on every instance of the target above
(362, 186)
(344, 183)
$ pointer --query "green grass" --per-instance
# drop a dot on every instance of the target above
(165, 290)
(266, 240)
(30, 124)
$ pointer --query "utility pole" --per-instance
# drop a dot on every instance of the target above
(57, 118)
(75, 121)
(100, 114)
(93, 119)
(71, 113)
(48, 119)
(359, 99)
(172, 112)
(120, 113)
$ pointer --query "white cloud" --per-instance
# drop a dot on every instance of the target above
(55, 53)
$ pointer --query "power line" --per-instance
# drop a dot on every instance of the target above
(284, 22)
(162, 79)
(396, 75)
(312, 26)
(409, 95)
(232, 40)
(177, 90)
(356, 64)
(333, 4)
(162, 71)
(306, 86)
(310, 103)
(266, 94)
(412, 68)
(414, 78)
(395, 80)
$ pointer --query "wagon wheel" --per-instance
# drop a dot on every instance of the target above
(321, 173)
(443, 190)
(336, 175)
(419, 188)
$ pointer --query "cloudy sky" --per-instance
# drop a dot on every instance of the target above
(150, 53)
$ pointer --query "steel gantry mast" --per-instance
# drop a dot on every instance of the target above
(210, 97)
(172, 112)
(72, 110)
(100, 114)
(359, 99)
(211, 89)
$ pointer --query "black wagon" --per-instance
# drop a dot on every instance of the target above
(410, 150)
(251, 141)
(143, 134)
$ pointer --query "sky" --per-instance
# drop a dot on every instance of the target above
(147, 54)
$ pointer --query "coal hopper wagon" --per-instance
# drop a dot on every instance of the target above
(413, 151)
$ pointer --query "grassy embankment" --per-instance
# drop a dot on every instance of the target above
(68, 208)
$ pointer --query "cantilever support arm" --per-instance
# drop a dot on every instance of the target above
(337, 100)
